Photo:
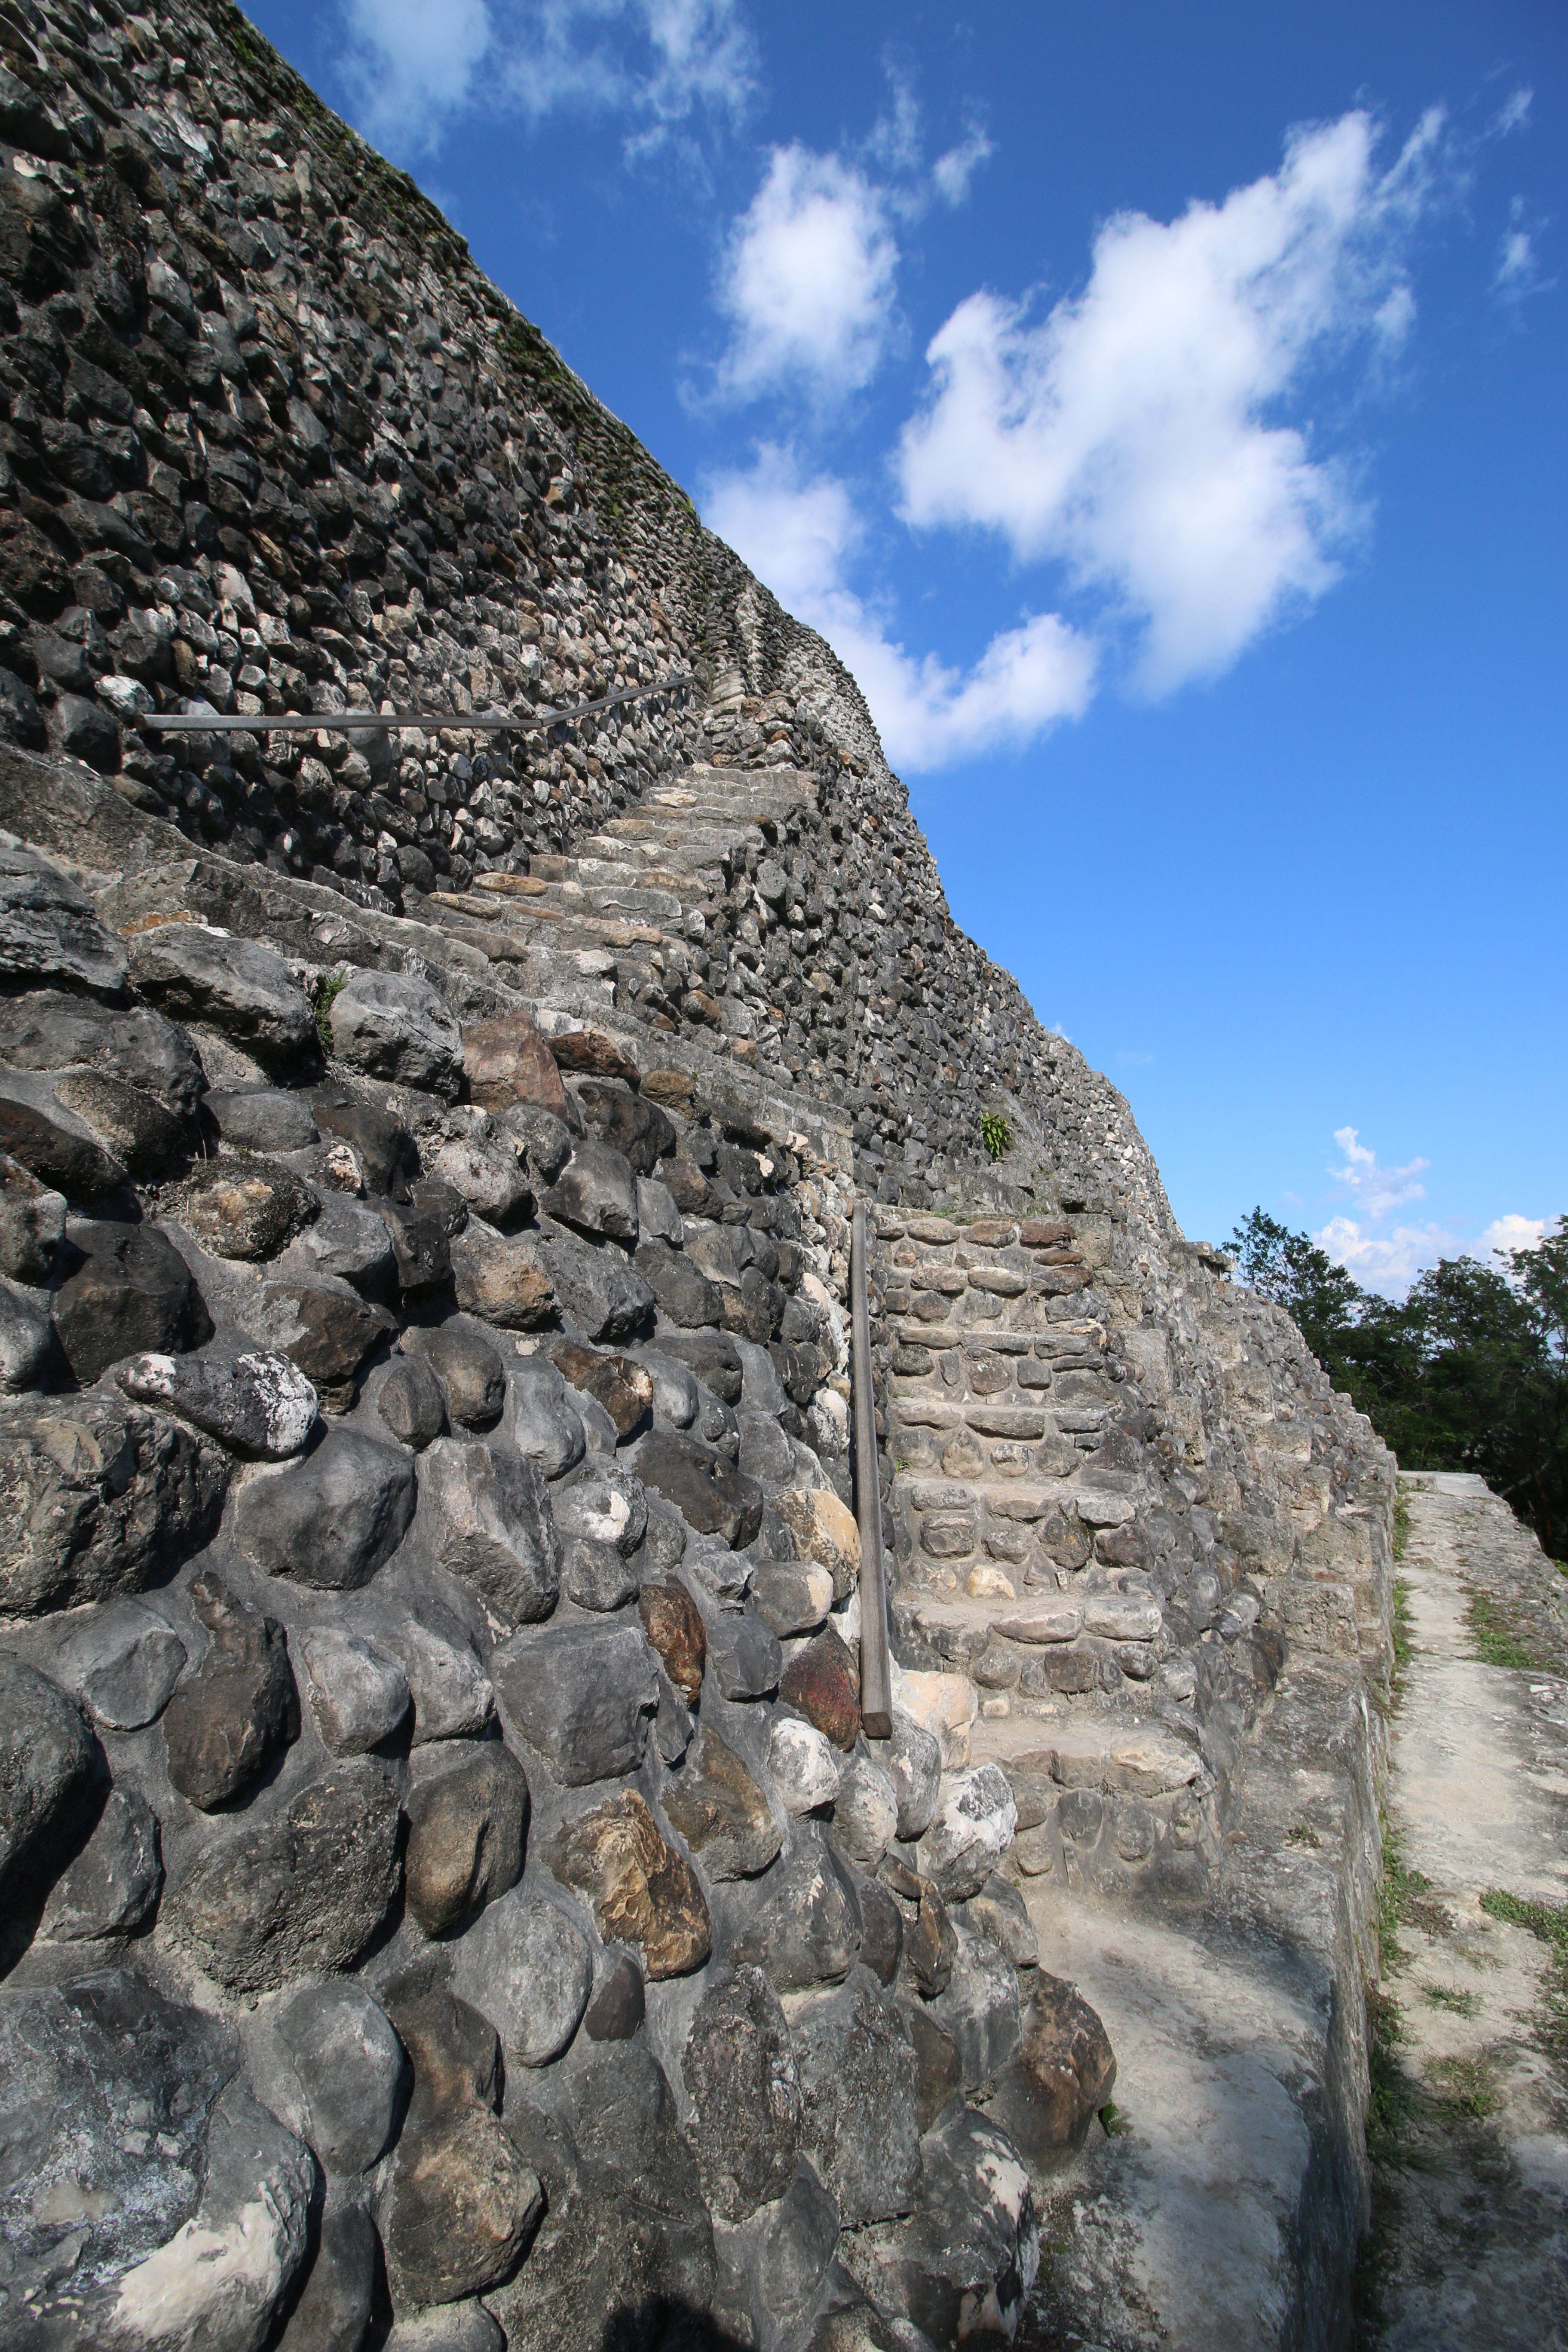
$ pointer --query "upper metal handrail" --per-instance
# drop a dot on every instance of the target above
(876, 1679)
(342, 722)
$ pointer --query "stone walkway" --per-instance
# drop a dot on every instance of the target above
(1468, 2250)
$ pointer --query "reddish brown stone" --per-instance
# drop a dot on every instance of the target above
(1063, 2073)
(507, 1061)
(589, 1051)
(720, 1812)
(642, 1891)
(692, 1194)
(675, 1090)
(670, 1619)
(820, 1681)
(1043, 1232)
(623, 1386)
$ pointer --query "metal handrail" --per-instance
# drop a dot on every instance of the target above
(342, 722)
(875, 1680)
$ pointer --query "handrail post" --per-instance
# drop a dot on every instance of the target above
(876, 1684)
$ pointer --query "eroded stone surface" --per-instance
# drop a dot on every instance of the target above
(643, 1892)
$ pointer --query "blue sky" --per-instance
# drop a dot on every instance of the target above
(1163, 412)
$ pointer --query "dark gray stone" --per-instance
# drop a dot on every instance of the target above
(468, 1368)
(619, 2002)
(530, 1970)
(486, 1517)
(634, 1126)
(739, 2074)
(332, 1519)
(1000, 1913)
(229, 1716)
(805, 1932)
(236, 986)
(97, 1498)
(604, 1506)
(582, 1695)
(49, 932)
(124, 1663)
(324, 1327)
(539, 1421)
(134, 1127)
(712, 1355)
(260, 1118)
(48, 1761)
(259, 1405)
(545, 1139)
(26, 1338)
(683, 1291)
(32, 1223)
(596, 1191)
(334, 2308)
(112, 1886)
(384, 1146)
(713, 1499)
(979, 2009)
(720, 1813)
(299, 1892)
(859, 2083)
(595, 1576)
(47, 1030)
(246, 1209)
(129, 1290)
(598, 1292)
(744, 1656)
(393, 1027)
(345, 1240)
(453, 1696)
(659, 1219)
(790, 1599)
(80, 729)
(462, 2209)
(964, 2261)
(766, 1454)
(446, 2327)
(466, 1826)
(421, 1256)
(412, 1402)
(336, 2072)
(882, 1932)
(55, 1143)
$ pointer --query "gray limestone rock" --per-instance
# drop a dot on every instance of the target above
(882, 1930)
(713, 1357)
(659, 1219)
(965, 2259)
(673, 1387)
(48, 1761)
(335, 2306)
(739, 2070)
(26, 1337)
(135, 1128)
(604, 1506)
(487, 1516)
(446, 2327)
(999, 1912)
(596, 1191)
(720, 1813)
(865, 1812)
(858, 2121)
(259, 1404)
(47, 1030)
(979, 2009)
(298, 1890)
(324, 1327)
(538, 1421)
(713, 1499)
(358, 1691)
(761, 1391)
(530, 1970)
(336, 2072)
(766, 1454)
(790, 1598)
(236, 986)
(469, 1369)
(346, 1240)
(486, 1169)
(503, 1282)
(112, 1887)
(466, 1826)
(127, 1289)
(32, 1223)
(259, 1119)
(461, 2211)
(246, 1209)
(744, 1656)
(53, 1141)
(332, 1519)
(971, 1829)
(412, 1402)
(804, 1933)
(50, 931)
(683, 1291)
(595, 1575)
(232, 1714)
(125, 1663)
(453, 1696)
(582, 1695)
(805, 1766)
(393, 1027)
(598, 1292)
(97, 1498)
(913, 1760)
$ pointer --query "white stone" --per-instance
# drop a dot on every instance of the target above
(804, 1765)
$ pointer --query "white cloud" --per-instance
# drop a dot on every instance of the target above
(1511, 1233)
(953, 172)
(1513, 114)
(808, 281)
(1386, 1262)
(414, 65)
(1377, 1190)
(1136, 433)
(798, 534)
(1517, 274)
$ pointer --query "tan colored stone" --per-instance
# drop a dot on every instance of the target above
(674, 1627)
(506, 1061)
(823, 1530)
(642, 1891)
(502, 1281)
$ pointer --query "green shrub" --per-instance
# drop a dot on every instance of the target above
(997, 1133)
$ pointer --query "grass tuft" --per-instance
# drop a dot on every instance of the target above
(1497, 1643)
(1548, 1922)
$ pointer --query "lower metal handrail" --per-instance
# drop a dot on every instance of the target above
(875, 1678)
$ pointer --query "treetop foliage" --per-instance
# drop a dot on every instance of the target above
(1469, 1372)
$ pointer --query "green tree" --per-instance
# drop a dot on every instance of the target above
(1290, 1269)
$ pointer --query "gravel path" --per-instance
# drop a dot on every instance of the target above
(1468, 2250)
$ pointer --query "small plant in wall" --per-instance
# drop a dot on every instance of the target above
(997, 1133)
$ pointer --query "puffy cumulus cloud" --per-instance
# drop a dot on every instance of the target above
(1511, 1233)
(1138, 433)
(1387, 1261)
(1377, 1190)
(798, 535)
(415, 64)
(807, 281)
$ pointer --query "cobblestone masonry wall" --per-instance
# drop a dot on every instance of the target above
(426, 1570)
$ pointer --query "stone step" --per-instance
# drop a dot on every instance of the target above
(1136, 1758)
